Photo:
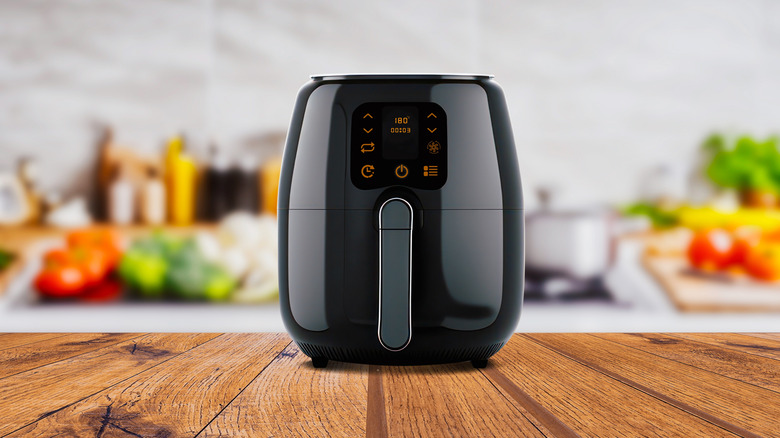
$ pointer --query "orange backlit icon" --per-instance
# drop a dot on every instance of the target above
(434, 147)
(401, 171)
(431, 115)
(368, 115)
(430, 170)
(432, 130)
(367, 147)
(367, 171)
(368, 130)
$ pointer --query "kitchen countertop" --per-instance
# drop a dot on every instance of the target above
(538, 385)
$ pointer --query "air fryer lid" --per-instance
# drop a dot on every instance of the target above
(431, 135)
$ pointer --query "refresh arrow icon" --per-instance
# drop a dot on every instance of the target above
(367, 147)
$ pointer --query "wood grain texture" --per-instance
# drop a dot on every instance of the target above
(248, 385)
(11, 340)
(28, 356)
(734, 405)
(749, 368)
(770, 336)
(376, 413)
(449, 400)
(33, 395)
(747, 344)
(590, 402)
(292, 398)
(543, 419)
(176, 398)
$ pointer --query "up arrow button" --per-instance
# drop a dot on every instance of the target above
(431, 115)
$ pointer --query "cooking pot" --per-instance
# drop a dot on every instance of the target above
(577, 244)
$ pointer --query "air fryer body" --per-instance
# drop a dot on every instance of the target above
(370, 208)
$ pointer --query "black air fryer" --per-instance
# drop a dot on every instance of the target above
(400, 220)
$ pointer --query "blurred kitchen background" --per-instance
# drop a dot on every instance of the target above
(140, 145)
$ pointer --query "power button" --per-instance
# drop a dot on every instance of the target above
(401, 171)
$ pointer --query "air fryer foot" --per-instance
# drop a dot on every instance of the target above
(479, 363)
(319, 362)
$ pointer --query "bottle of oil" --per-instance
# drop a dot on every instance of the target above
(181, 176)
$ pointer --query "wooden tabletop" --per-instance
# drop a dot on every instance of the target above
(253, 385)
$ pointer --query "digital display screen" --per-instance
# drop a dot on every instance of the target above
(398, 144)
(400, 134)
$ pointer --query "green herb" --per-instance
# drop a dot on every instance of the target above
(660, 218)
(5, 259)
(747, 164)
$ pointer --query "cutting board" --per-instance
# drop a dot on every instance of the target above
(692, 291)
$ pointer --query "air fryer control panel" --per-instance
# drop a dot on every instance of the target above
(399, 143)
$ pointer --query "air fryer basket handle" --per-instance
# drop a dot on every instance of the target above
(395, 274)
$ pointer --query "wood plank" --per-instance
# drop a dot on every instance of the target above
(734, 405)
(449, 400)
(292, 398)
(590, 402)
(176, 398)
(376, 413)
(11, 340)
(747, 344)
(771, 336)
(32, 395)
(746, 367)
(26, 357)
(544, 420)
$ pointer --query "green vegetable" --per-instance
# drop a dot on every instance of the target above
(219, 286)
(660, 218)
(748, 164)
(160, 264)
(5, 259)
(144, 271)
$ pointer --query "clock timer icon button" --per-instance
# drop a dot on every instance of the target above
(401, 171)
(367, 171)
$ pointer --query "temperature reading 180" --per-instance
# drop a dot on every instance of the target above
(399, 136)
(404, 127)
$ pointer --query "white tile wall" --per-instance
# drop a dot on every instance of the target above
(598, 91)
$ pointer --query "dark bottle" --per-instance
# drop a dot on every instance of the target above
(242, 178)
(217, 187)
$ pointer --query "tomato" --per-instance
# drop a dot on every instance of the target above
(57, 256)
(107, 290)
(763, 261)
(102, 239)
(745, 239)
(60, 281)
(93, 263)
(711, 250)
